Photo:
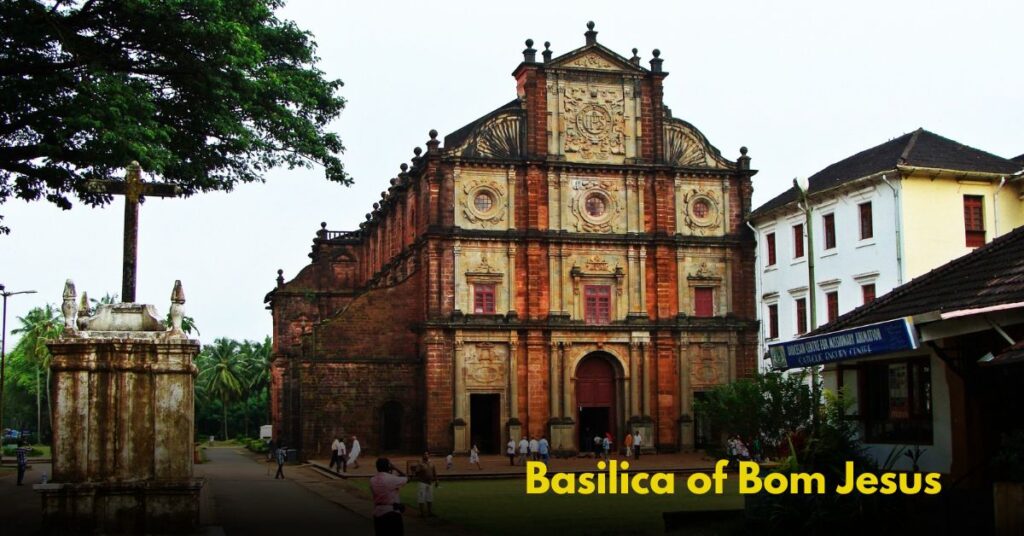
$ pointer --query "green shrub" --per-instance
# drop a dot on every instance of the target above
(11, 450)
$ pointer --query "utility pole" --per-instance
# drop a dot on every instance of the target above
(801, 187)
(3, 344)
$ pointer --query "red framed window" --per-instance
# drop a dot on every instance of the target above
(704, 301)
(773, 321)
(801, 316)
(828, 221)
(832, 301)
(483, 299)
(597, 300)
(974, 220)
(868, 291)
(769, 244)
(867, 223)
(798, 241)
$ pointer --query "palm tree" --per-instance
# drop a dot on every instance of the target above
(256, 356)
(223, 374)
(38, 326)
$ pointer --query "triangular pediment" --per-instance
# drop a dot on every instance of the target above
(595, 58)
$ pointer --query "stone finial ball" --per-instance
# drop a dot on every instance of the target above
(743, 151)
(417, 151)
(433, 134)
(403, 167)
(547, 45)
(368, 216)
(590, 25)
(529, 43)
(635, 51)
(280, 271)
(393, 181)
(657, 53)
(323, 225)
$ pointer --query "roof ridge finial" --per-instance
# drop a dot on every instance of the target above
(547, 51)
(530, 54)
(590, 34)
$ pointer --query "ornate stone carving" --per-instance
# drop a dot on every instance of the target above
(492, 210)
(702, 212)
(177, 312)
(594, 122)
(595, 205)
(685, 146)
(597, 263)
(592, 61)
(497, 137)
(703, 272)
(485, 364)
(70, 308)
(709, 366)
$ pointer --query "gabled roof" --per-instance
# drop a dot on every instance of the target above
(989, 276)
(919, 148)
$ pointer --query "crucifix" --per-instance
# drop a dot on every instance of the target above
(133, 190)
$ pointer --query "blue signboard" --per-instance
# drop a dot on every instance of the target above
(864, 341)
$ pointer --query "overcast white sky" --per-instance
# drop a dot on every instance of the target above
(802, 84)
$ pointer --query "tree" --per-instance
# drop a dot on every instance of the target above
(768, 407)
(38, 326)
(205, 94)
(222, 374)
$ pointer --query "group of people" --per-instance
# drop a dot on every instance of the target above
(342, 456)
(529, 449)
(605, 445)
(474, 459)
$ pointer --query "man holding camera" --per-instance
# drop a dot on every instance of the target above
(387, 505)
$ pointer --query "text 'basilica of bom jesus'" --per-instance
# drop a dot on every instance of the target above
(573, 263)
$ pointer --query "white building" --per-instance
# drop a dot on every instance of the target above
(880, 218)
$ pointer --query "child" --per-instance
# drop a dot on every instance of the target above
(474, 457)
(448, 462)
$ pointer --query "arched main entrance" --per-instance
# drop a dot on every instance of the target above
(596, 399)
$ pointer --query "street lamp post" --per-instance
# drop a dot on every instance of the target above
(3, 355)
(802, 186)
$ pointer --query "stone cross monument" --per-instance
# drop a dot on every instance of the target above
(123, 390)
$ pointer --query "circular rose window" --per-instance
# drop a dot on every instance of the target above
(701, 209)
(483, 202)
(595, 206)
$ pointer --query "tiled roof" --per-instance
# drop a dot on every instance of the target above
(919, 148)
(990, 275)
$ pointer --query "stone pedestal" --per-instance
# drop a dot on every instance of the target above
(562, 441)
(123, 390)
(645, 425)
(461, 438)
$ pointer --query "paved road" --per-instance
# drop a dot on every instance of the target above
(247, 501)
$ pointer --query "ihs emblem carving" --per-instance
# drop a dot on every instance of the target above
(594, 122)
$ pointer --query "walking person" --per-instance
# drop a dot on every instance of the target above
(353, 453)
(334, 454)
(426, 476)
(387, 505)
(510, 450)
(342, 453)
(524, 450)
(606, 445)
(281, 455)
(22, 454)
(598, 444)
(534, 449)
(474, 457)
(638, 441)
(449, 460)
(544, 448)
(628, 443)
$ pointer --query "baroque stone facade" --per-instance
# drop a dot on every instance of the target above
(572, 263)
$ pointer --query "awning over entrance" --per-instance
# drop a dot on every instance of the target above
(863, 341)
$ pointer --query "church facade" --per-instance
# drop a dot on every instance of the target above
(573, 263)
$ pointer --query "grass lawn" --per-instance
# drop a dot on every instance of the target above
(503, 507)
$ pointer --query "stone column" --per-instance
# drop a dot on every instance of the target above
(554, 281)
(634, 372)
(685, 397)
(641, 228)
(645, 351)
(457, 256)
(511, 279)
(643, 280)
(461, 439)
(567, 387)
(511, 180)
(554, 404)
(513, 378)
